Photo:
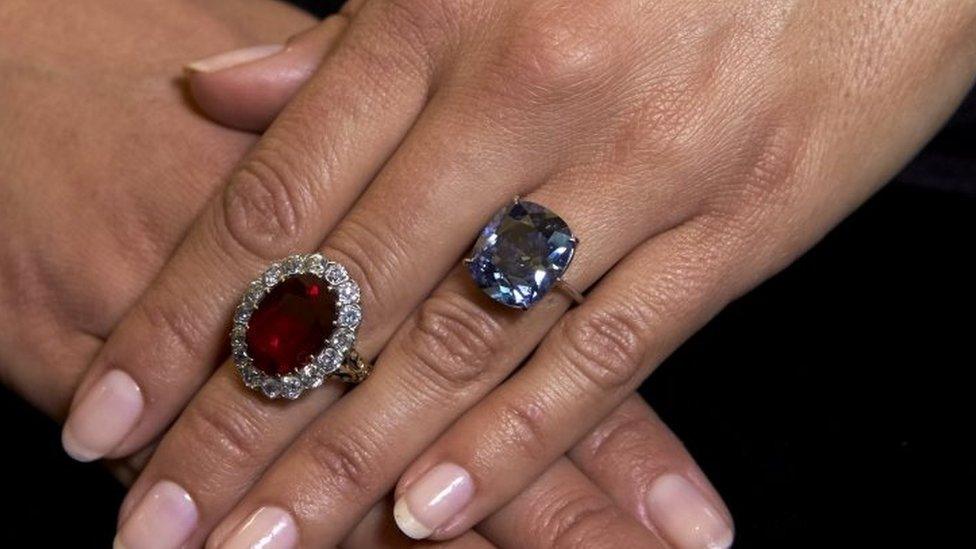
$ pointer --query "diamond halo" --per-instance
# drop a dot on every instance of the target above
(335, 349)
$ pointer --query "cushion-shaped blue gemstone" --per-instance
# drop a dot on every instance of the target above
(522, 251)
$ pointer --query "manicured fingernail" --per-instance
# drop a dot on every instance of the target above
(267, 528)
(165, 518)
(433, 499)
(233, 58)
(685, 516)
(103, 417)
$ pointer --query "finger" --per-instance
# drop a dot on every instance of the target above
(644, 468)
(64, 359)
(563, 508)
(453, 350)
(292, 188)
(209, 459)
(377, 530)
(248, 88)
(630, 464)
(588, 363)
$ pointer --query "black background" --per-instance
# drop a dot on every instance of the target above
(832, 406)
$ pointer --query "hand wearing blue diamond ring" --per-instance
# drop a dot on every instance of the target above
(644, 453)
(693, 148)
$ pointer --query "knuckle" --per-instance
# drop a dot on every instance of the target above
(454, 339)
(229, 432)
(575, 520)
(605, 346)
(343, 461)
(264, 205)
(628, 445)
(523, 427)
(419, 28)
(763, 183)
(372, 251)
(172, 320)
(553, 54)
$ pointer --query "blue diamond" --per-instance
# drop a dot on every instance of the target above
(521, 253)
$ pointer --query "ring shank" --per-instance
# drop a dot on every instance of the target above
(354, 369)
(570, 291)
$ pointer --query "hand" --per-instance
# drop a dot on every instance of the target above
(624, 457)
(123, 201)
(94, 220)
(102, 168)
(700, 147)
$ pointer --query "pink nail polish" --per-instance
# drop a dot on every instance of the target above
(103, 417)
(266, 528)
(234, 58)
(685, 516)
(433, 500)
(164, 519)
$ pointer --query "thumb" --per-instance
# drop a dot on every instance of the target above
(247, 88)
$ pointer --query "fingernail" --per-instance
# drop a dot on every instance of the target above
(233, 58)
(267, 528)
(433, 499)
(685, 516)
(103, 417)
(165, 518)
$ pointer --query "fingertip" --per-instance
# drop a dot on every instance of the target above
(408, 523)
(247, 97)
(247, 88)
(74, 449)
(233, 58)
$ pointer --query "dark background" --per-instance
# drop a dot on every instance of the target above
(832, 406)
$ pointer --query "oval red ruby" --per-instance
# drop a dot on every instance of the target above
(290, 324)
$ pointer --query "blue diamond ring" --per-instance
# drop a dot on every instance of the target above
(521, 254)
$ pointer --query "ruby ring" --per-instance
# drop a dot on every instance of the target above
(296, 327)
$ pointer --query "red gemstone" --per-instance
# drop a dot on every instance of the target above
(290, 324)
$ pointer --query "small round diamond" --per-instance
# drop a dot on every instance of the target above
(343, 339)
(243, 313)
(335, 274)
(273, 275)
(348, 292)
(312, 376)
(328, 360)
(315, 264)
(252, 378)
(271, 387)
(293, 265)
(521, 253)
(255, 292)
(239, 353)
(350, 315)
(291, 387)
(237, 334)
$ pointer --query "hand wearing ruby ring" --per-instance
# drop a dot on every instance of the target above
(695, 148)
(185, 157)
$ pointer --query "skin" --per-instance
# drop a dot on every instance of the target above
(76, 113)
(57, 307)
(702, 145)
